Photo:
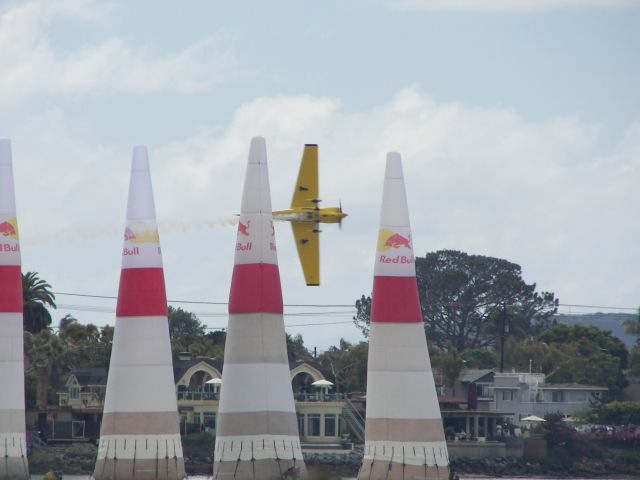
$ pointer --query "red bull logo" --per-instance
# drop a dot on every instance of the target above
(244, 229)
(129, 236)
(388, 240)
(396, 241)
(141, 235)
(8, 228)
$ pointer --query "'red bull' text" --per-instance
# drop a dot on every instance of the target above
(396, 259)
(243, 247)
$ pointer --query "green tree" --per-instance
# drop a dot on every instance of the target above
(363, 315)
(450, 364)
(185, 328)
(209, 345)
(620, 413)
(540, 356)
(346, 365)
(296, 349)
(588, 355)
(463, 297)
(603, 339)
(632, 327)
(87, 345)
(479, 358)
(46, 353)
(634, 362)
(36, 297)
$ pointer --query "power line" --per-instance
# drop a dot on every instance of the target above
(316, 305)
(294, 325)
(596, 306)
(202, 302)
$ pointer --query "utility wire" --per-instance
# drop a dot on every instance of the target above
(329, 305)
(202, 302)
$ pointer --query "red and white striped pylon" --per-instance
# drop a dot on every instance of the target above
(13, 445)
(404, 437)
(257, 433)
(140, 434)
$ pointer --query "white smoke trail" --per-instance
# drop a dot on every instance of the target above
(68, 233)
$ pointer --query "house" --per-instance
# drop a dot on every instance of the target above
(483, 399)
(529, 394)
(81, 405)
(470, 407)
(198, 381)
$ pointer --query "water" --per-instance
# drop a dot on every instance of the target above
(463, 477)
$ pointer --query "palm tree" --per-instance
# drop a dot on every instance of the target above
(44, 351)
(36, 296)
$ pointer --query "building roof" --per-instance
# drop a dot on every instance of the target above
(312, 363)
(470, 375)
(570, 386)
(90, 376)
(180, 367)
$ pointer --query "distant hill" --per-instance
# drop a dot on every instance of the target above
(604, 321)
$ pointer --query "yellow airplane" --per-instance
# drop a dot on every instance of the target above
(305, 215)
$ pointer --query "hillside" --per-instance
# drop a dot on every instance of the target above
(604, 321)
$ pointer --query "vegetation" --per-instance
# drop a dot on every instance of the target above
(188, 334)
(36, 297)
(632, 327)
(464, 298)
(465, 301)
(346, 365)
(454, 289)
(619, 413)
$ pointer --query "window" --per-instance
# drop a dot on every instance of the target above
(196, 418)
(209, 419)
(74, 392)
(330, 425)
(313, 424)
(556, 396)
(301, 424)
(578, 396)
(483, 390)
(508, 395)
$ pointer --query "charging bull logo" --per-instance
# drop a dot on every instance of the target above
(9, 228)
(388, 240)
(244, 229)
(398, 247)
(141, 236)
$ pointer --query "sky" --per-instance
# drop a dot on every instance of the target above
(518, 122)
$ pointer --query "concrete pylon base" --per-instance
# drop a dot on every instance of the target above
(142, 469)
(380, 470)
(13, 468)
(268, 469)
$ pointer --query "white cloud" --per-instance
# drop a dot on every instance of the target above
(480, 179)
(31, 65)
(508, 5)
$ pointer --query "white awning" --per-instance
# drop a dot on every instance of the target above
(322, 383)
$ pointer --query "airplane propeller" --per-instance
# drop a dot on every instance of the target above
(341, 218)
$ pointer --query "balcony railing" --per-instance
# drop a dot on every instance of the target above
(319, 397)
(198, 396)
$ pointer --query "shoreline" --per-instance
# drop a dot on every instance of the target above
(79, 459)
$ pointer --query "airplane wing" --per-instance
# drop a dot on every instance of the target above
(307, 184)
(308, 245)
